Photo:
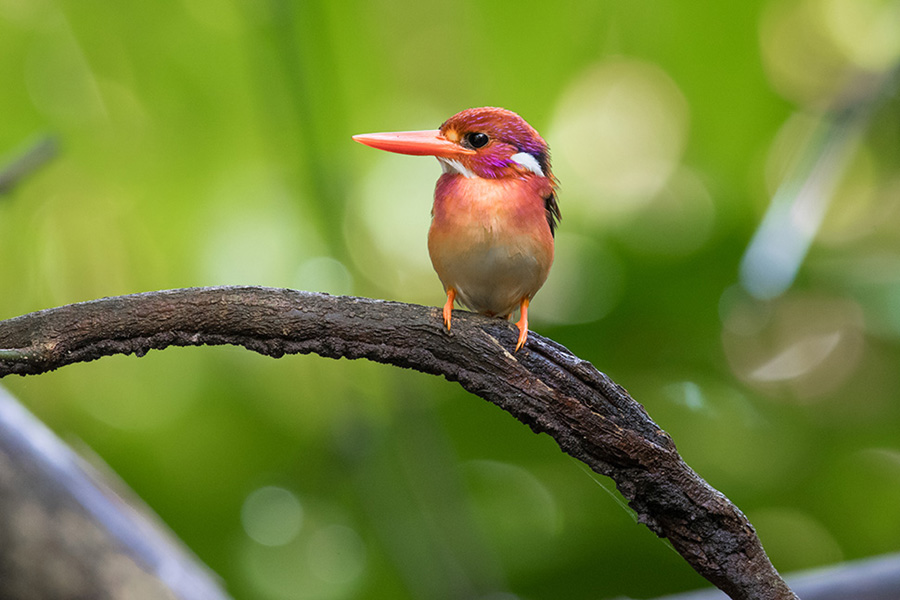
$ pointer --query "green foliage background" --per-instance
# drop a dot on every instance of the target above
(207, 142)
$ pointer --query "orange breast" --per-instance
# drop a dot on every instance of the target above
(490, 240)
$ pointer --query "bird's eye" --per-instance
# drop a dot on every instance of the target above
(477, 139)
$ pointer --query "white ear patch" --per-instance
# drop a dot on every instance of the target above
(528, 161)
(454, 166)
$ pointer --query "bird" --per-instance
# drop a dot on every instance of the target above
(495, 211)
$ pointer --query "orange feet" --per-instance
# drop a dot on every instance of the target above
(523, 324)
(448, 307)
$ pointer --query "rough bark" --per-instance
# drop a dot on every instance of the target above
(543, 385)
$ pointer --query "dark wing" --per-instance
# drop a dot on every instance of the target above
(553, 214)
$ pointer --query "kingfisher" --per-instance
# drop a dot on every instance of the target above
(495, 210)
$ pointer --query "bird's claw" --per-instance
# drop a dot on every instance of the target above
(523, 336)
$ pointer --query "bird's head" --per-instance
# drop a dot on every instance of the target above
(483, 142)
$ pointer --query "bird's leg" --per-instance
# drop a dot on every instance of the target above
(523, 324)
(448, 307)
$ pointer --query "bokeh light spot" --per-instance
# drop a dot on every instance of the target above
(801, 344)
(324, 559)
(690, 395)
(618, 135)
(324, 274)
(799, 358)
(817, 52)
(867, 31)
(272, 516)
(387, 227)
(255, 242)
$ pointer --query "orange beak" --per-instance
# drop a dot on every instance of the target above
(418, 143)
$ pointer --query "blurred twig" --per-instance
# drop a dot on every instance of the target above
(875, 578)
(543, 385)
(66, 534)
(795, 214)
(33, 157)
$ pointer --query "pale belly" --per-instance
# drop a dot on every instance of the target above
(490, 242)
(489, 276)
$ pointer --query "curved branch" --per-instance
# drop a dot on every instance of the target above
(543, 385)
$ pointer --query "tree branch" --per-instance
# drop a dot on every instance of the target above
(543, 385)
